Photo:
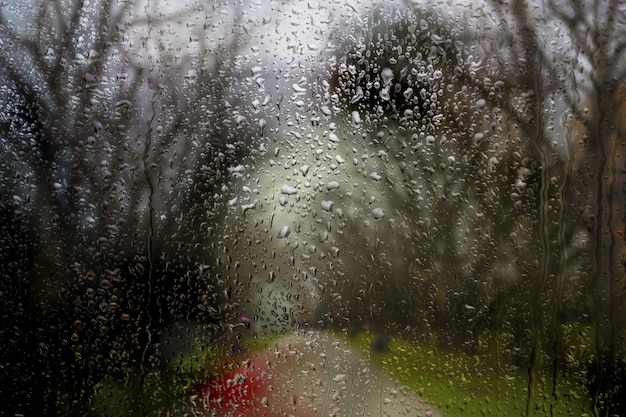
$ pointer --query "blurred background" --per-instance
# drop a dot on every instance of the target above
(442, 185)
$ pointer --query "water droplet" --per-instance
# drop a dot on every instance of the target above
(262, 125)
(387, 76)
(241, 119)
(327, 205)
(288, 189)
(123, 103)
(357, 96)
(378, 213)
(340, 378)
(298, 89)
(236, 169)
(284, 232)
(384, 93)
(332, 185)
(246, 207)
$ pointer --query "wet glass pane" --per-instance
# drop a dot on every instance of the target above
(275, 208)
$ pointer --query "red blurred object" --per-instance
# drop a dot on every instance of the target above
(241, 390)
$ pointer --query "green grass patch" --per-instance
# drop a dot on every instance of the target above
(475, 385)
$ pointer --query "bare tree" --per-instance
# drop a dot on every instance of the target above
(112, 142)
(569, 57)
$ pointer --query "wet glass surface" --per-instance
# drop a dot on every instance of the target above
(312, 208)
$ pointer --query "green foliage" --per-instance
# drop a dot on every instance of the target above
(153, 389)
